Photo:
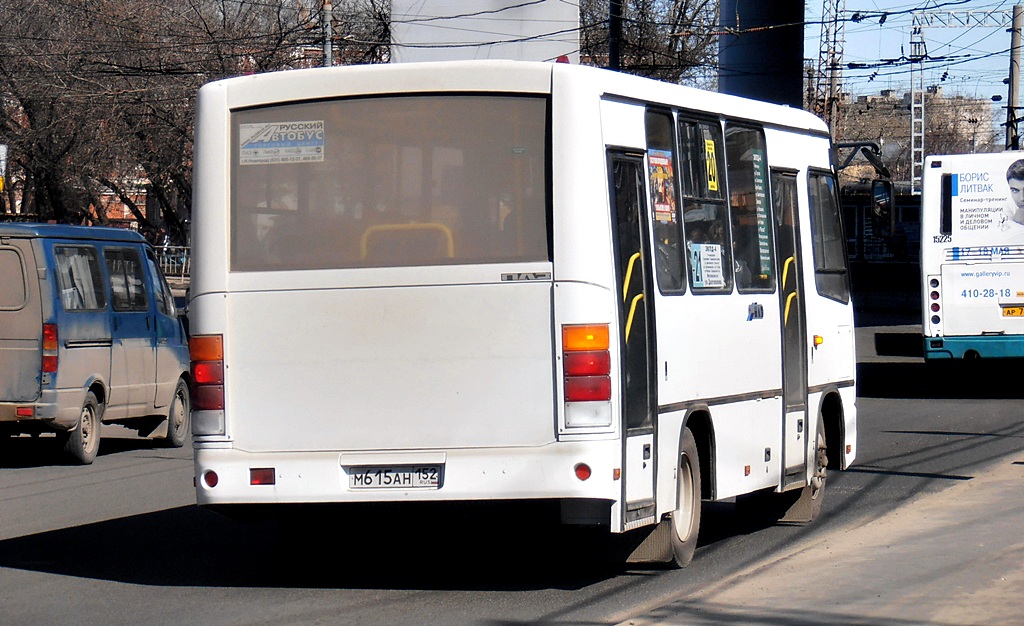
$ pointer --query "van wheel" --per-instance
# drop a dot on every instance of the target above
(685, 521)
(83, 442)
(178, 417)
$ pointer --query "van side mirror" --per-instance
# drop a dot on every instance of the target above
(883, 217)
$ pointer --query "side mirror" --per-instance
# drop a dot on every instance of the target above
(882, 215)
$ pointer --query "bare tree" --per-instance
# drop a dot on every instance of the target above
(98, 95)
(673, 40)
(362, 31)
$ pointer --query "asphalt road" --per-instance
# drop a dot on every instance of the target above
(120, 542)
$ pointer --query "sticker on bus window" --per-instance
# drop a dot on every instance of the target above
(706, 265)
(711, 163)
(663, 194)
(271, 143)
(764, 242)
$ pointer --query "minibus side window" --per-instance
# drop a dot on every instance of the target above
(830, 270)
(749, 209)
(705, 215)
(665, 220)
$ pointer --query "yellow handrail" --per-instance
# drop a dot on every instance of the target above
(789, 300)
(632, 310)
(785, 270)
(629, 273)
(444, 230)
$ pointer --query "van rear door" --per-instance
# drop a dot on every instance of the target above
(20, 322)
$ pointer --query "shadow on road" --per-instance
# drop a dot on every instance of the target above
(899, 344)
(997, 379)
(198, 547)
(44, 450)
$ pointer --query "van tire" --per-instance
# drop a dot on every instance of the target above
(83, 442)
(178, 417)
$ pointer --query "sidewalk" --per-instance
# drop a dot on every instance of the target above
(951, 558)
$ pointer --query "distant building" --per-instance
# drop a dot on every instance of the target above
(953, 125)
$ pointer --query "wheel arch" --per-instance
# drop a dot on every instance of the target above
(698, 420)
(98, 389)
(832, 417)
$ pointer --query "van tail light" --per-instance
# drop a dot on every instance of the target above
(207, 355)
(49, 365)
(586, 367)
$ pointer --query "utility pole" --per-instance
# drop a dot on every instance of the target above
(1012, 139)
(614, 34)
(956, 19)
(918, 53)
(829, 79)
(328, 34)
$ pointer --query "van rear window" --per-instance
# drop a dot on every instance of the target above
(393, 181)
(81, 281)
(12, 280)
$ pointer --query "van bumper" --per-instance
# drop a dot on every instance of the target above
(30, 412)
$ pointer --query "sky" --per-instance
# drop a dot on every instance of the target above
(971, 61)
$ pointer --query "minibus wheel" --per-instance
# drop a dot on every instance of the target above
(809, 501)
(83, 442)
(178, 417)
(685, 521)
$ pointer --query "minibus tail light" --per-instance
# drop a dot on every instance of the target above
(207, 355)
(586, 370)
(206, 348)
(587, 388)
(587, 363)
(585, 337)
(208, 398)
(208, 372)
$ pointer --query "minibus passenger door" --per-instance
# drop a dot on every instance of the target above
(636, 333)
(794, 327)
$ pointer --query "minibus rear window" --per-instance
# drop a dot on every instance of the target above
(390, 181)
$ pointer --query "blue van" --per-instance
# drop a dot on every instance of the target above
(89, 334)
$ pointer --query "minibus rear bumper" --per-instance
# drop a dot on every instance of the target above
(228, 476)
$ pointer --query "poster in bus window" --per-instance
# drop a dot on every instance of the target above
(706, 265)
(270, 143)
(988, 205)
(764, 243)
(663, 195)
(711, 164)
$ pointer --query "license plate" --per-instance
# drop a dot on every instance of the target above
(400, 477)
(1013, 311)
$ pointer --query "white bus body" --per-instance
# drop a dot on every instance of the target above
(972, 256)
(461, 303)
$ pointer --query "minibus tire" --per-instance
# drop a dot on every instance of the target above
(685, 520)
(178, 417)
(83, 442)
(808, 505)
(797, 507)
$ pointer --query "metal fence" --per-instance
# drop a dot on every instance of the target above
(175, 261)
